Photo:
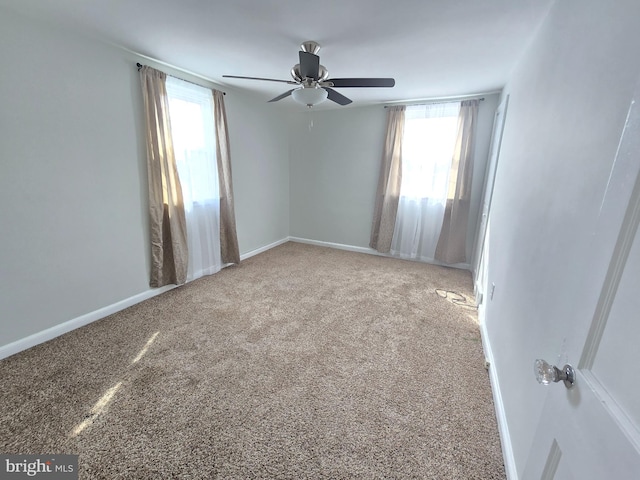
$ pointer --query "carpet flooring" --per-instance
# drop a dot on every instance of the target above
(302, 362)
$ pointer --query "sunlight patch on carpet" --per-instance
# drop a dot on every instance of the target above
(96, 410)
(145, 348)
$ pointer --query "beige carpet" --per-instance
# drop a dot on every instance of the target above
(303, 362)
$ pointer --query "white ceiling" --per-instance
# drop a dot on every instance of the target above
(433, 48)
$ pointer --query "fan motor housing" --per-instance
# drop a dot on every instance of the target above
(323, 73)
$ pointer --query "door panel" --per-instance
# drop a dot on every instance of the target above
(557, 466)
(616, 366)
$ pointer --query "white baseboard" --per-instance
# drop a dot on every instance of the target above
(370, 251)
(339, 246)
(82, 320)
(503, 428)
(250, 254)
(65, 327)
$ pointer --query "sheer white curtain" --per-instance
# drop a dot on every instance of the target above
(427, 153)
(192, 126)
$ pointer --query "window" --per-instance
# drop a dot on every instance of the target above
(192, 132)
(428, 179)
(427, 151)
(193, 136)
(424, 189)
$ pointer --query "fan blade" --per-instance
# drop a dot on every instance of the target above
(290, 82)
(280, 97)
(337, 97)
(309, 65)
(362, 82)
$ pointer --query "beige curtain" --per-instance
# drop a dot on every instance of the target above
(169, 255)
(229, 250)
(452, 242)
(388, 194)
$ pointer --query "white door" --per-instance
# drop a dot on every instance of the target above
(592, 431)
(479, 259)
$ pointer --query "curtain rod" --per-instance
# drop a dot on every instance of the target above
(453, 98)
(139, 65)
(429, 102)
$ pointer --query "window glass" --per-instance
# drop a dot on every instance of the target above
(192, 132)
(427, 150)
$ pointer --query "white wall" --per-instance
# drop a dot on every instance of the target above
(335, 166)
(260, 157)
(569, 97)
(334, 169)
(73, 177)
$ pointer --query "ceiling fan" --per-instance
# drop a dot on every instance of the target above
(314, 84)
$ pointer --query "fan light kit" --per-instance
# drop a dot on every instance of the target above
(312, 79)
(310, 96)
